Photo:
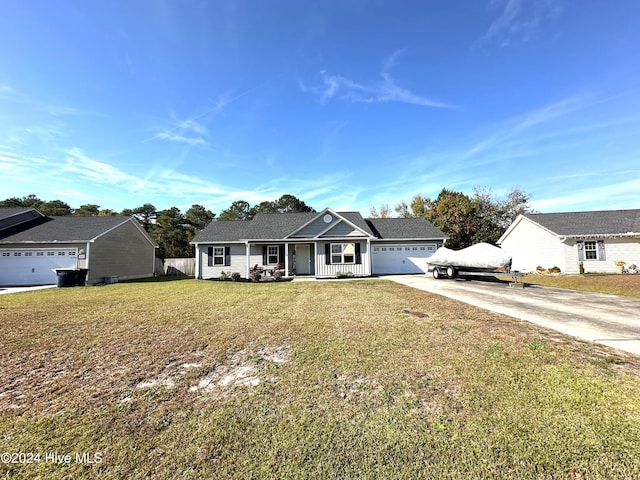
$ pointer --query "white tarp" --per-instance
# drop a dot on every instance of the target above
(480, 255)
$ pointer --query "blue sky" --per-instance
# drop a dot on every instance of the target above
(345, 104)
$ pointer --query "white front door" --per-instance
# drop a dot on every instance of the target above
(303, 260)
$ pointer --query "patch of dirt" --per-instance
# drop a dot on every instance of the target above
(356, 387)
(243, 368)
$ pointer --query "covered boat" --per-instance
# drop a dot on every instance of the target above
(478, 258)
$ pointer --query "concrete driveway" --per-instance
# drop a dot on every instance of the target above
(610, 320)
(7, 290)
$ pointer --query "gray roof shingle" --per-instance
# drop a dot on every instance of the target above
(603, 222)
(10, 211)
(404, 228)
(67, 229)
(274, 226)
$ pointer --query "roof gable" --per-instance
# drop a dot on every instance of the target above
(330, 223)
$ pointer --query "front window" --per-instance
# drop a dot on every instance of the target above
(273, 255)
(218, 255)
(590, 251)
(343, 253)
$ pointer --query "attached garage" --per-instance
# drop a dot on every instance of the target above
(391, 259)
(19, 267)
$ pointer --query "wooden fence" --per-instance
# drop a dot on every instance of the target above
(176, 266)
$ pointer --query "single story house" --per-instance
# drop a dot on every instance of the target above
(596, 239)
(316, 244)
(33, 246)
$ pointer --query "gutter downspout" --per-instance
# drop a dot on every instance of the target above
(88, 264)
(198, 272)
(248, 258)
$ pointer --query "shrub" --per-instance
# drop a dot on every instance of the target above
(539, 268)
(581, 268)
(344, 274)
(555, 269)
(224, 275)
(277, 275)
(255, 276)
(235, 276)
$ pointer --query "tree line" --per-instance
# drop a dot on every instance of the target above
(170, 228)
(465, 219)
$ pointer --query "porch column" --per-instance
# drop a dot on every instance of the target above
(198, 253)
(248, 259)
(286, 259)
(369, 256)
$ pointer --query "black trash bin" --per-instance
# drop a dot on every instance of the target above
(66, 277)
(81, 277)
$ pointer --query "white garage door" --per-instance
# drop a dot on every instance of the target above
(400, 258)
(34, 266)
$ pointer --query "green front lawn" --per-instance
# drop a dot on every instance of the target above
(627, 285)
(330, 379)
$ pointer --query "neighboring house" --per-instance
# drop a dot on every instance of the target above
(33, 245)
(596, 239)
(316, 244)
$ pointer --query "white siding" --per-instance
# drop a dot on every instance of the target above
(238, 261)
(530, 245)
(324, 270)
(627, 249)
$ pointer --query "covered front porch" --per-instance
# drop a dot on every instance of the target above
(291, 258)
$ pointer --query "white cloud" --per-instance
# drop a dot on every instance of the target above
(88, 169)
(174, 137)
(385, 90)
(189, 131)
(71, 193)
(616, 195)
(519, 21)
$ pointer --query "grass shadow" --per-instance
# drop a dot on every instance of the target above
(159, 279)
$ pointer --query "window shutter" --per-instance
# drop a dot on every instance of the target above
(601, 253)
(210, 256)
(358, 256)
(327, 254)
(227, 256)
(264, 255)
(580, 246)
(281, 252)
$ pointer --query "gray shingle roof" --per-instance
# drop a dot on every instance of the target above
(603, 222)
(277, 225)
(404, 228)
(67, 229)
(223, 231)
(10, 211)
(273, 226)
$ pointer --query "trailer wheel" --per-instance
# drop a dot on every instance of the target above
(451, 272)
(436, 273)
